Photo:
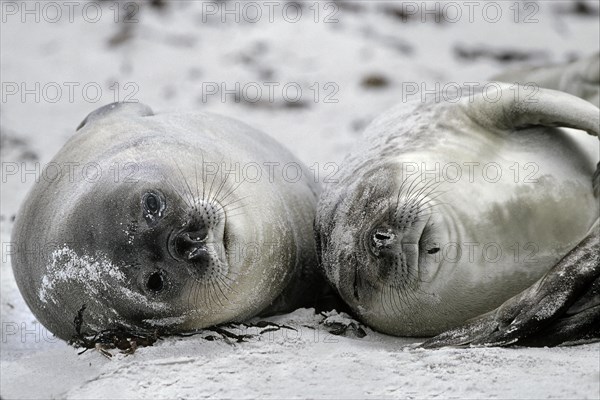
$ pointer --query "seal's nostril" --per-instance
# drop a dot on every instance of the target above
(197, 253)
(382, 236)
(382, 241)
(195, 236)
(191, 245)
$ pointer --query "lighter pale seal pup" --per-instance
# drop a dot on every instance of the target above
(448, 209)
(179, 221)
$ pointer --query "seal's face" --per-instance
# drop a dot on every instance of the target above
(381, 246)
(169, 252)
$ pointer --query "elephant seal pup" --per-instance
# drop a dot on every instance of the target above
(173, 222)
(451, 208)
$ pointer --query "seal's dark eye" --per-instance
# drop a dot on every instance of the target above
(152, 203)
(155, 282)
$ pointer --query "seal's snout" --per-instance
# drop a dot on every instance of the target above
(198, 243)
(385, 241)
(395, 249)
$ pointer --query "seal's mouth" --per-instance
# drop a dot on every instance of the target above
(415, 244)
(423, 234)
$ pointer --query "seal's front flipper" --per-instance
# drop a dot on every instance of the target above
(581, 323)
(562, 306)
(521, 107)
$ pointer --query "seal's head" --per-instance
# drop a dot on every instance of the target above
(410, 238)
(147, 232)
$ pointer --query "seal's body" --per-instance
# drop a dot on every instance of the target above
(180, 221)
(449, 209)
